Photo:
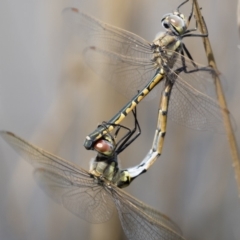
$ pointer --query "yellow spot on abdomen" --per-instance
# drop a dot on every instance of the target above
(134, 104)
(121, 117)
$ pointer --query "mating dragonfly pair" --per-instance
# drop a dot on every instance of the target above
(134, 67)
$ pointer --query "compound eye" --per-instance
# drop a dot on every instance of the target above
(104, 147)
(177, 22)
(166, 25)
(165, 21)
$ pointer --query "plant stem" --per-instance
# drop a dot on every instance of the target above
(220, 95)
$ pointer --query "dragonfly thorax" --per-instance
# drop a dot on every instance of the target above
(104, 169)
(174, 22)
(109, 172)
(105, 165)
(164, 48)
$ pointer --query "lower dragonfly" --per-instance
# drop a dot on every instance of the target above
(92, 195)
(131, 63)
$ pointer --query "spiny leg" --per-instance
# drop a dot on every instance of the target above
(129, 138)
(186, 34)
(181, 5)
(184, 51)
(197, 69)
(191, 13)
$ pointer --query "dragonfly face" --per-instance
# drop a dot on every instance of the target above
(106, 145)
(167, 43)
(174, 22)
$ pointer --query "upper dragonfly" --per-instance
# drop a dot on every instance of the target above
(135, 66)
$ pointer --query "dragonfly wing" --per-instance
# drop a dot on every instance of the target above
(97, 33)
(157, 216)
(126, 74)
(118, 56)
(194, 109)
(85, 199)
(141, 222)
(40, 158)
(202, 77)
(65, 182)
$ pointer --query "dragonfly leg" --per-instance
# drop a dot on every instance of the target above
(129, 137)
(189, 17)
(183, 51)
(186, 34)
(181, 5)
(184, 68)
(197, 69)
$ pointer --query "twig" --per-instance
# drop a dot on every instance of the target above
(220, 95)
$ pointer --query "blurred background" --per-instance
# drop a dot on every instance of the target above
(50, 97)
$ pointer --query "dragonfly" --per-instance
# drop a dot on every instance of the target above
(92, 195)
(135, 67)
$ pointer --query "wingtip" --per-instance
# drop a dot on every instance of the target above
(3, 132)
(75, 10)
(72, 9)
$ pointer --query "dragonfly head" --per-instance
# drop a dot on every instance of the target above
(174, 22)
(105, 145)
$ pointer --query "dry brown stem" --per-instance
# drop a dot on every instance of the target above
(220, 95)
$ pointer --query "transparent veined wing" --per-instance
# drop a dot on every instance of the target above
(65, 182)
(103, 35)
(126, 61)
(122, 50)
(140, 224)
(190, 107)
(91, 199)
(89, 202)
(126, 74)
(116, 55)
